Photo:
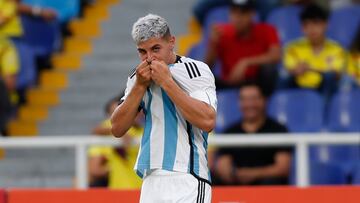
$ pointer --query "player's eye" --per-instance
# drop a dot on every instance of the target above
(156, 49)
(142, 51)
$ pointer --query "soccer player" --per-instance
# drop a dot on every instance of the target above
(177, 95)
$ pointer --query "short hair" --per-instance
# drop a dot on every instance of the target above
(251, 83)
(148, 27)
(314, 12)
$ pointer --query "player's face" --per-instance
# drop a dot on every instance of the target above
(157, 48)
(252, 103)
(241, 19)
(314, 30)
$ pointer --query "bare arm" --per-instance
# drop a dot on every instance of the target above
(196, 112)
(124, 115)
(211, 53)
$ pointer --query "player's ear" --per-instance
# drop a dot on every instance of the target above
(172, 41)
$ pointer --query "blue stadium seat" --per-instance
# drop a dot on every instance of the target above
(27, 74)
(326, 174)
(287, 22)
(228, 109)
(66, 9)
(44, 37)
(216, 15)
(356, 177)
(343, 25)
(299, 110)
(344, 112)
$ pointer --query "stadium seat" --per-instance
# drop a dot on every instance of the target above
(343, 25)
(216, 15)
(344, 112)
(228, 109)
(66, 9)
(44, 37)
(287, 22)
(299, 110)
(27, 74)
(356, 177)
(326, 174)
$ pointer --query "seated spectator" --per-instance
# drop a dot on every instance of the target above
(253, 165)
(5, 108)
(113, 167)
(9, 67)
(242, 47)
(354, 61)
(10, 25)
(314, 61)
(47, 14)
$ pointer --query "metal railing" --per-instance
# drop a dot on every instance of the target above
(300, 141)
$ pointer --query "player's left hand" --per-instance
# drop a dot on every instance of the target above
(160, 72)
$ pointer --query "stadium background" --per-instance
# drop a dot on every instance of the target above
(71, 65)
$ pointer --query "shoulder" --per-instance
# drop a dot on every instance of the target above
(192, 67)
(275, 126)
(235, 128)
(333, 45)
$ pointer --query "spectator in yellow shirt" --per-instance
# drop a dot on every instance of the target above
(9, 67)
(314, 62)
(113, 167)
(354, 60)
(10, 25)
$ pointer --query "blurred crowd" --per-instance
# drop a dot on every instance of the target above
(16, 74)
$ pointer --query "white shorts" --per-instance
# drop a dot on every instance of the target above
(161, 186)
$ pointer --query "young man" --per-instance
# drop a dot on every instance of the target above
(177, 95)
(243, 47)
(253, 165)
(314, 62)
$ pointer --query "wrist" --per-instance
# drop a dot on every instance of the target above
(167, 83)
(140, 87)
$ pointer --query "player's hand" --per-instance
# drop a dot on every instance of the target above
(160, 72)
(143, 74)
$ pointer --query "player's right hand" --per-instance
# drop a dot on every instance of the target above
(143, 74)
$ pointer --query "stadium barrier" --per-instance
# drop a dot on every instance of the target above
(345, 194)
(300, 141)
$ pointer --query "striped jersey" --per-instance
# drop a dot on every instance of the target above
(169, 141)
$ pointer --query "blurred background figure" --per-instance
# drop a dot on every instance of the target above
(354, 62)
(250, 165)
(112, 167)
(244, 47)
(10, 25)
(47, 14)
(314, 61)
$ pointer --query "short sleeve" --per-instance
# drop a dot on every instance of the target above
(290, 57)
(207, 95)
(129, 85)
(272, 36)
(9, 61)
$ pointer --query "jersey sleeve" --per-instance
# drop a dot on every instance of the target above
(290, 57)
(201, 83)
(10, 61)
(129, 85)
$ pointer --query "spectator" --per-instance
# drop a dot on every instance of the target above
(5, 108)
(242, 46)
(354, 60)
(10, 25)
(9, 67)
(113, 167)
(314, 62)
(250, 165)
(47, 14)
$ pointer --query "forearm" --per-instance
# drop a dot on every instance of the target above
(124, 115)
(196, 112)
(271, 56)
(271, 171)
